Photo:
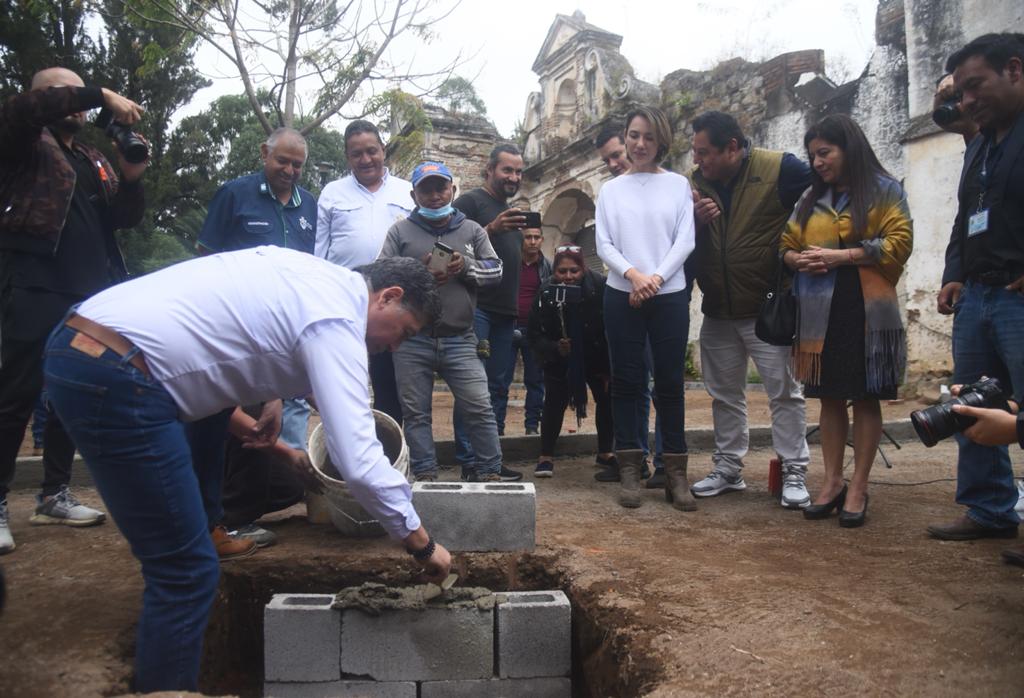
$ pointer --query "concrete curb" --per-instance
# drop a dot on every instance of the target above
(29, 472)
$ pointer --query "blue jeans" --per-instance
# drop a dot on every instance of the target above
(664, 321)
(126, 427)
(533, 379)
(643, 416)
(295, 423)
(456, 361)
(498, 330)
(988, 339)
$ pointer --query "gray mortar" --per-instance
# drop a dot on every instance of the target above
(373, 598)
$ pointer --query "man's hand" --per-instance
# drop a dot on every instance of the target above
(437, 568)
(950, 294)
(125, 111)
(704, 210)
(265, 431)
(993, 428)
(456, 264)
(441, 277)
(564, 347)
(509, 219)
(299, 463)
(1017, 285)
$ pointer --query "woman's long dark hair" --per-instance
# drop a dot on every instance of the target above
(861, 169)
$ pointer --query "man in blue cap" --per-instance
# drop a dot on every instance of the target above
(459, 254)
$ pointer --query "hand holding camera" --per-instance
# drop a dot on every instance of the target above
(941, 421)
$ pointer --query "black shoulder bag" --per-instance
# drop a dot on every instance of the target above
(776, 323)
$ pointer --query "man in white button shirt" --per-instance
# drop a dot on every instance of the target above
(354, 214)
(136, 362)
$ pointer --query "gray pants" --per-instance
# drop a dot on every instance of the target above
(725, 346)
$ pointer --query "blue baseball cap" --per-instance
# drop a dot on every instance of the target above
(430, 169)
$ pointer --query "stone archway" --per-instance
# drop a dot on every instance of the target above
(569, 218)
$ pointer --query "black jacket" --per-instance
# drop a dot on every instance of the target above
(545, 327)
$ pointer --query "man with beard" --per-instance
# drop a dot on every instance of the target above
(60, 203)
(496, 307)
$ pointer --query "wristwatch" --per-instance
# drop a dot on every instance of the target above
(424, 553)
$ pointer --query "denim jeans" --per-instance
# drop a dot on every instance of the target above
(126, 427)
(295, 424)
(643, 416)
(533, 380)
(988, 340)
(664, 321)
(498, 330)
(456, 361)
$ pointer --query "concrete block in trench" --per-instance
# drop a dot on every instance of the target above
(301, 638)
(478, 516)
(431, 644)
(534, 634)
(498, 688)
(341, 689)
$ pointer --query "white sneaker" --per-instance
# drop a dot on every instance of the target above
(717, 483)
(6, 541)
(1019, 508)
(794, 491)
(64, 508)
(256, 533)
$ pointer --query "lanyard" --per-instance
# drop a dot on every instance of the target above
(983, 175)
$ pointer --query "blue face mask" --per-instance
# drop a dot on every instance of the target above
(436, 214)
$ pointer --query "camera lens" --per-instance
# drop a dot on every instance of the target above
(946, 114)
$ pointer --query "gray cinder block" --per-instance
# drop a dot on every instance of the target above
(478, 516)
(301, 638)
(433, 644)
(341, 689)
(534, 634)
(498, 688)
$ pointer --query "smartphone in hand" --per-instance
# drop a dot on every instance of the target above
(532, 219)
(440, 256)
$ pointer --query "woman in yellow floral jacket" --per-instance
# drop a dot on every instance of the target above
(848, 241)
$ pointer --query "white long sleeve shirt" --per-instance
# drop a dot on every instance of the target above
(353, 221)
(645, 221)
(243, 327)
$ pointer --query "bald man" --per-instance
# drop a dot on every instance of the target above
(60, 203)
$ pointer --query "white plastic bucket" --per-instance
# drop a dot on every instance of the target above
(346, 514)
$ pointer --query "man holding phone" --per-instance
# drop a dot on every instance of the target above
(457, 251)
(497, 306)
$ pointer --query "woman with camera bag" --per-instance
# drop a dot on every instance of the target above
(848, 241)
(566, 333)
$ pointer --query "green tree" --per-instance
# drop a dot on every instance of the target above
(36, 35)
(458, 94)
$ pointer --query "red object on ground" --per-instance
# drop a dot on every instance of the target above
(775, 477)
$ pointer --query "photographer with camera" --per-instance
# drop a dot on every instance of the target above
(983, 282)
(60, 203)
(566, 333)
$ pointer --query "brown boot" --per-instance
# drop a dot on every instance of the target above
(677, 487)
(629, 474)
(229, 547)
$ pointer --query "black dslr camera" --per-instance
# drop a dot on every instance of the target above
(131, 146)
(947, 112)
(935, 423)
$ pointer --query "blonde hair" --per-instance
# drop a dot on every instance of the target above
(659, 122)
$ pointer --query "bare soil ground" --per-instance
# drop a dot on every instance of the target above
(740, 598)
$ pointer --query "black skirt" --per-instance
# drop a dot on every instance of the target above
(843, 372)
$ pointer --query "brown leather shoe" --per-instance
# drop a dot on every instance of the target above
(1014, 555)
(228, 547)
(966, 528)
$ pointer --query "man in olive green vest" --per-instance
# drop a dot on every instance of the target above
(743, 198)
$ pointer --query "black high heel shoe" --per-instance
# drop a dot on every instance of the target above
(823, 511)
(848, 519)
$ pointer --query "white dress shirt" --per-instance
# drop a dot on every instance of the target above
(243, 327)
(645, 220)
(353, 221)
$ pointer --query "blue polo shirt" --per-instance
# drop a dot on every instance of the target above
(245, 213)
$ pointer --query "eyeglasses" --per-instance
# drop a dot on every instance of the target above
(567, 248)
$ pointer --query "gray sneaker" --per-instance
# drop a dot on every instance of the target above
(64, 508)
(257, 534)
(6, 541)
(717, 483)
(794, 491)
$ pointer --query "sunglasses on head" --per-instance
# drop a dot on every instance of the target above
(567, 248)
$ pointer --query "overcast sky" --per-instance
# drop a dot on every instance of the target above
(658, 38)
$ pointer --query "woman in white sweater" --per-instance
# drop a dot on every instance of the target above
(644, 235)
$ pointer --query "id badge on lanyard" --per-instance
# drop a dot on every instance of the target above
(978, 222)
